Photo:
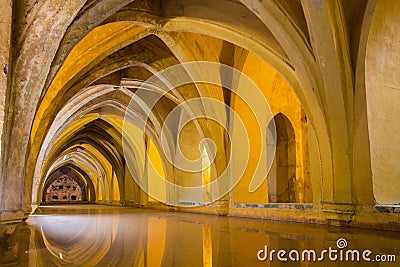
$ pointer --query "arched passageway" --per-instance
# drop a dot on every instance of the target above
(282, 177)
(72, 73)
(68, 184)
(64, 186)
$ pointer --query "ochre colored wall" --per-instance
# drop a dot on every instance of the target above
(281, 99)
(382, 81)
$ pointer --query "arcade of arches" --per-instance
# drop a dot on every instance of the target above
(329, 71)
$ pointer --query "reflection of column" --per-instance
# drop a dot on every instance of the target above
(156, 238)
(184, 242)
(171, 244)
(223, 241)
(19, 244)
(287, 244)
(207, 246)
(33, 250)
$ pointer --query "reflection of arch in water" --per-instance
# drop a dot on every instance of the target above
(84, 241)
(98, 239)
(282, 177)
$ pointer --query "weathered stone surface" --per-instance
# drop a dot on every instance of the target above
(5, 36)
(382, 79)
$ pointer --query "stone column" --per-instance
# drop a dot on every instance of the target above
(329, 40)
(5, 36)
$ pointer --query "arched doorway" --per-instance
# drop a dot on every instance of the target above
(282, 177)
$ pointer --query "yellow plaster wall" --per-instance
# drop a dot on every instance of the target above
(281, 99)
(155, 168)
(382, 81)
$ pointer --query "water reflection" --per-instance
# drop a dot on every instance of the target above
(109, 236)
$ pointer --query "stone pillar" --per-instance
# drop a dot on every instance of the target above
(329, 40)
(144, 197)
(5, 36)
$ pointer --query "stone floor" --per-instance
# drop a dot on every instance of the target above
(88, 235)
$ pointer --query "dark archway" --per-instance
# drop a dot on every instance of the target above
(64, 185)
(282, 177)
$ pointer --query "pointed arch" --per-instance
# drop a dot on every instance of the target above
(282, 178)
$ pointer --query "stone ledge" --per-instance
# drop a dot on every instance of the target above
(11, 216)
(193, 203)
(339, 208)
(297, 206)
(63, 202)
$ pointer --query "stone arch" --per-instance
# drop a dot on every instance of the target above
(85, 164)
(91, 195)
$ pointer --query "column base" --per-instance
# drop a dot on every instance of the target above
(339, 214)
